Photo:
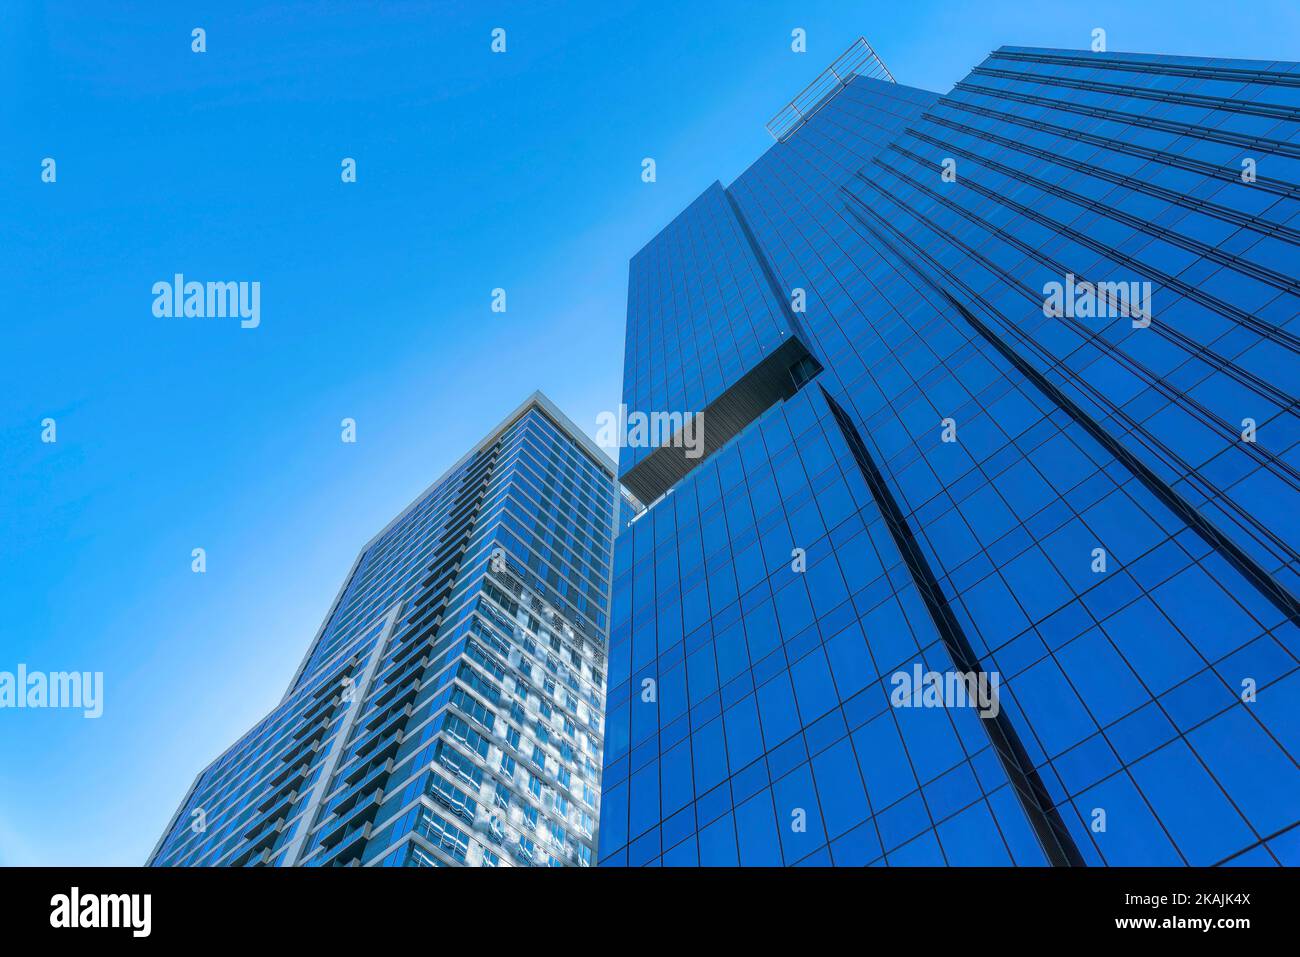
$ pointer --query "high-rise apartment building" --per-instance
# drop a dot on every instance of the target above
(998, 394)
(449, 711)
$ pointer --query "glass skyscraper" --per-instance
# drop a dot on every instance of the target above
(998, 385)
(450, 710)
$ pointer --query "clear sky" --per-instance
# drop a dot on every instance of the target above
(474, 171)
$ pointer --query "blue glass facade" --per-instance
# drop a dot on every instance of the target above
(450, 711)
(1092, 506)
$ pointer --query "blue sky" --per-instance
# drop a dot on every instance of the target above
(474, 171)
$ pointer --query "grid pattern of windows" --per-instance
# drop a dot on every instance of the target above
(699, 314)
(1095, 513)
(452, 707)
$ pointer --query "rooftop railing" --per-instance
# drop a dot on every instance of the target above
(858, 60)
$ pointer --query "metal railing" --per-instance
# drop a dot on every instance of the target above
(858, 60)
